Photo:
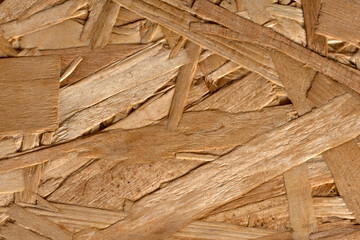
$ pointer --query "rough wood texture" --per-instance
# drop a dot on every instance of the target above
(43, 19)
(337, 20)
(181, 140)
(342, 160)
(12, 9)
(296, 79)
(298, 190)
(251, 93)
(15, 232)
(29, 93)
(157, 108)
(93, 60)
(209, 179)
(244, 30)
(31, 178)
(101, 20)
(11, 182)
(206, 231)
(315, 42)
(182, 86)
(37, 223)
(344, 163)
(243, 56)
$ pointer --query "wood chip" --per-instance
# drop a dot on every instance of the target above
(315, 42)
(298, 190)
(182, 86)
(340, 24)
(209, 180)
(37, 223)
(244, 30)
(36, 22)
(35, 80)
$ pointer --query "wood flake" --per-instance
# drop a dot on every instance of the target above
(244, 30)
(337, 20)
(37, 223)
(182, 86)
(29, 84)
(36, 22)
(298, 190)
(208, 180)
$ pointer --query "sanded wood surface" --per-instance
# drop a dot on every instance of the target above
(29, 96)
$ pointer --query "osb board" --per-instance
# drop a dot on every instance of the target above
(172, 126)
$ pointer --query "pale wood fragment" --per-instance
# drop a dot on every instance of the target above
(318, 172)
(196, 156)
(77, 97)
(179, 45)
(46, 138)
(345, 174)
(182, 86)
(117, 142)
(30, 141)
(210, 64)
(344, 165)
(6, 49)
(323, 89)
(289, 12)
(9, 145)
(43, 202)
(43, 19)
(208, 231)
(11, 182)
(332, 206)
(157, 108)
(243, 30)
(93, 59)
(76, 217)
(29, 85)
(169, 37)
(257, 10)
(100, 23)
(241, 56)
(251, 93)
(315, 42)
(149, 32)
(277, 236)
(15, 232)
(37, 223)
(121, 103)
(59, 36)
(337, 230)
(12, 9)
(340, 24)
(37, 7)
(298, 190)
(31, 178)
(296, 79)
(239, 164)
(129, 29)
(70, 68)
(225, 69)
